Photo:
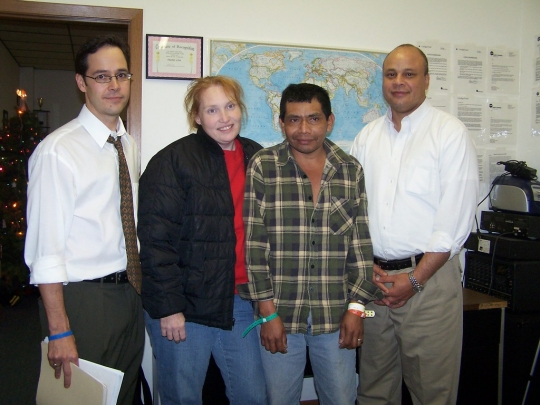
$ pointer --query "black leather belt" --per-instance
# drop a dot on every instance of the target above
(116, 278)
(397, 264)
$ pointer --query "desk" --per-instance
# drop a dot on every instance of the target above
(482, 355)
(474, 301)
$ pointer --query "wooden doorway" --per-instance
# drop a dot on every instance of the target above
(132, 18)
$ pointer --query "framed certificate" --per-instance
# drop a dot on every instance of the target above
(173, 57)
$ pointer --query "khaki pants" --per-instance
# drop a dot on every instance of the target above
(419, 343)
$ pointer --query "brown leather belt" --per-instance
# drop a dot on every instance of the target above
(116, 278)
(397, 264)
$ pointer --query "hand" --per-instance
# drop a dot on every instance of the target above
(61, 354)
(273, 336)
(173, 327)
(377, 274)
(351, 331)
(400, 291)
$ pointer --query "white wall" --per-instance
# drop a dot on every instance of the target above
(355, 24)
(528, 148)
(9, 82)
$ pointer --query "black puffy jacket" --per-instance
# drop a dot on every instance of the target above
(186, 231)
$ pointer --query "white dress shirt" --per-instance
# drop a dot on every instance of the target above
(74, 225)
(421, 183)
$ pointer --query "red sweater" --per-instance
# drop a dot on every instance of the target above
(237, 177)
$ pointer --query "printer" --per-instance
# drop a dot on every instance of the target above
(515, 194)
(514, 201)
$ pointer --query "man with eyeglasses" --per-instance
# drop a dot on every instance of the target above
(78, 245)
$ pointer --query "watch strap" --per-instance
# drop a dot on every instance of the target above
(415, 284)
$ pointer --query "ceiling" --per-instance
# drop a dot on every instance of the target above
(50, 45)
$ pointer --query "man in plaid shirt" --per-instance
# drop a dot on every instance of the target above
(308, 253)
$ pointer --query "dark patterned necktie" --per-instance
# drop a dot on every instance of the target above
(133, 267)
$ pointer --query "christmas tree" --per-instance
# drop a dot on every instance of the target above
(18, 139)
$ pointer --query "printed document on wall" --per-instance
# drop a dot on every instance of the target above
(483, 170)
(535, 114)
(503, 71)
(438, 55)
(537, 59)
(471, 111)
(440, 101)
(469, 69)
(502, 115)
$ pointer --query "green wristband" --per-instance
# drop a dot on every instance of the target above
(258, 322)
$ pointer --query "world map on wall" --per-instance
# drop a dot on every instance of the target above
(353, 80)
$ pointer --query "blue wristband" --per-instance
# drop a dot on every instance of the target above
(61, 335)
(258, 322)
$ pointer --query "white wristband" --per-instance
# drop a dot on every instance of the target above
(356, 306)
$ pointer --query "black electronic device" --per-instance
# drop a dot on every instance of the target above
(504, 246)
(519, 169)
(510, 223)
(517, 282)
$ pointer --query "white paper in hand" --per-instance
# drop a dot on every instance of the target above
(91, 384)
(110, 377)
(84, 389)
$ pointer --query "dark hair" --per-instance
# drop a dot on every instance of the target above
(95, 44)
(192, 100)
(426, 64)
(304, 93)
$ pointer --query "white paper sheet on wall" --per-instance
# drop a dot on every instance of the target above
(502, 120)
(471, 111)
(438, 55)
(503, 71)
(469, 69)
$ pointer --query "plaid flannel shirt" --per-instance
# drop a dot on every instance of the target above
(306, 255)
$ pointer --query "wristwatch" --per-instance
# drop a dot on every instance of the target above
(416, 286)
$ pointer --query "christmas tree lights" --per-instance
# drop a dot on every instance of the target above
(18, 139)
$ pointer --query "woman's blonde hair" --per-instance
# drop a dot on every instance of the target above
(192, 101)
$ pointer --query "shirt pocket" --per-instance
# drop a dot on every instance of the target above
(340, 219)
(420, 180)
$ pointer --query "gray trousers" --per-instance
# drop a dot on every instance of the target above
(419, 343)
(108, 325)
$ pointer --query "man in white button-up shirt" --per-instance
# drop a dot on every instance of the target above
(422, 187)
(75, 246)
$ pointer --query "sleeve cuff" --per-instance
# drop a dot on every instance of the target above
(48, 270)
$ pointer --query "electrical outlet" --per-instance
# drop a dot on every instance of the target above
(484, 246)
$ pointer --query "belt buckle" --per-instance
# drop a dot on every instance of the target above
(382, 261)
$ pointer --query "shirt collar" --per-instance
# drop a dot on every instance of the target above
(97, 129)
(334, 154)
(414, 118)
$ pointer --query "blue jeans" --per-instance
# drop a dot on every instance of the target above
(182, 366)
(334, 371)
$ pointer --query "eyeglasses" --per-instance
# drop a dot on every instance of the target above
(121, 77)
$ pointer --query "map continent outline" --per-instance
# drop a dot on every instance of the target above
(352, 78)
